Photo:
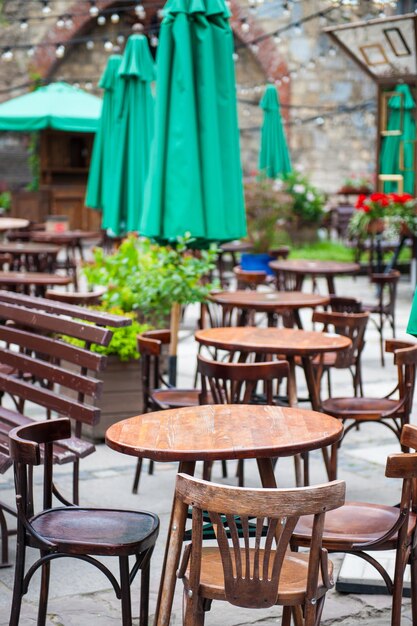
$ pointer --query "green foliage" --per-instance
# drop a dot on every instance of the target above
(124, 341)
(34, 162)
(6, 200)
(149, 278)
(334, 251)
(308, 202)
(267, 209)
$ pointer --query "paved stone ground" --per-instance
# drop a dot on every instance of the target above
(80, 596)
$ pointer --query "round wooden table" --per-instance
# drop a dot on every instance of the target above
(302, 268)
(289, 342)
(39, 281)
(11, 223)
(270, 302)
(212, 432)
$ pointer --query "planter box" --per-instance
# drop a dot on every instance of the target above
(121, 397)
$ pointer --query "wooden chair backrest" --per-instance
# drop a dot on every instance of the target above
(352, 325)
(249, 279)
(404, 466)
(214, 315)
(339, 304)
(405, 358)
(236, 383)
(254, 583)
(150, 344)
(30, 445)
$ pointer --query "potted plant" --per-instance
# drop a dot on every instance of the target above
(307, 207)
(148, 278)
(267, 211)
(376, 212)
(122, 383)
(357, 185)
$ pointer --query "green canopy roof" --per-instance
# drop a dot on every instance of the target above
(58, 105)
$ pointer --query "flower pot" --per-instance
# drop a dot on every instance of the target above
(376, 226)
(256, 262)
(121, 395)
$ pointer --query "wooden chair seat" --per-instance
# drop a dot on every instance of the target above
(175, 398)
(360, 408)
(74, 530)
(292, 582)
(354, 523)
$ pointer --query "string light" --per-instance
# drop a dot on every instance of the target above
(115, 18)
(24, 24)
(108, 46)
(101, 20)
(140, 11)
(60, 51)
(7, 54)
(93, 9)
(46, 9)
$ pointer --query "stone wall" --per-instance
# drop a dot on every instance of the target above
(328, 147)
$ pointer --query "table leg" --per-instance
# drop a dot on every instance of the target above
(312, 386)
(330, 285)
(172, 554)
(266, 473)
(292, 384)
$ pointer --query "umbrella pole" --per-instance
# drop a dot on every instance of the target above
(173, 346)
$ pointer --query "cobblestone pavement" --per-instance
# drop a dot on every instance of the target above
(80, 596)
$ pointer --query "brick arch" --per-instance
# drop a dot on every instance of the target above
(268, 56)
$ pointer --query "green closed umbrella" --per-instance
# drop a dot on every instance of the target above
(400, 108)
(135, 127)
(274, 158)
(100, 177)
(195, 177)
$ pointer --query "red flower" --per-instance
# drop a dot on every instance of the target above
(360, 203)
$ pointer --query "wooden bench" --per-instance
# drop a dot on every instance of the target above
(37, 366)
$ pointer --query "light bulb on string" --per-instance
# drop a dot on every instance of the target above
(286, 12)
(332, 51)
(93, 9)
(277, 38)
(60, 23)
(108, 46)
(68, 22)
(90, 44)
(115, 18)
(59, 51)
(154, 41)
(297, 29)
(286, 79)
(101, 20)
(7, 54)
(30, 51)
(140, 11)
(244, 26)
(88, 85)
(235, 56)
(24, 24)
(46, 9)
(319, 121)
(120, 39)
(160, 14)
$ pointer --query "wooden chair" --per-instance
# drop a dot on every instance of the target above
(260, 576)
(352, 325)
(339, 304)
(249, 279)
(390, 412)
(242, 383)
(158, 394)
(280, 253)
(38, 367)
(384, 308)
(358, 527)
(71, 531)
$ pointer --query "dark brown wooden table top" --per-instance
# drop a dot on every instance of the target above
(64, 237)
(27, 247)
(269, 300)
(214, 432)
(323, 268)
(236, 246)
(288, 341)
(33, 278)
